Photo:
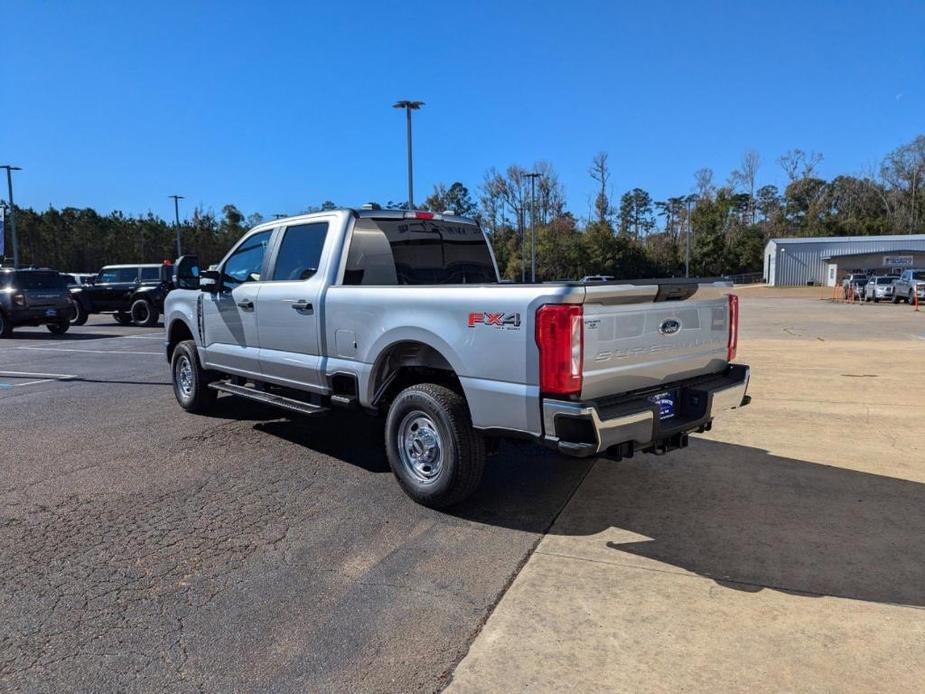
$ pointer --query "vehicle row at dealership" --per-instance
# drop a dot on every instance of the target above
(43, 296)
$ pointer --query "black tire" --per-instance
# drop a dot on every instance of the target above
(876, 300)
(6, 328)
(122, 318)
(910, 299)
(436, 412)
(895, 299)
(58, 328)
(144, 314)
(194, 394)
(80, 314)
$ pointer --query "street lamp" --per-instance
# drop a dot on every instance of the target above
(9, 184)
(533, 176)
(687, 249)
(409, 106)
(176, 216)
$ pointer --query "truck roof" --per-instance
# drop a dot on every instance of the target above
(374, 213)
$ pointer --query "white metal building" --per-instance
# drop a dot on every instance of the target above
(827, 259)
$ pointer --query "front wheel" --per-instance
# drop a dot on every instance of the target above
(190, 380)
(144, 314)
(895, 299)
(58, 328)
(435, 454)
(80, 314)
(6, 327)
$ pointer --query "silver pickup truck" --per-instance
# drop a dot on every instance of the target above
(401, 313)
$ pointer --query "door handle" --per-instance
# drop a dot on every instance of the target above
(247, 304)
(303, 307)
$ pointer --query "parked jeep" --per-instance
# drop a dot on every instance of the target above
(33, 297)
(131, 293)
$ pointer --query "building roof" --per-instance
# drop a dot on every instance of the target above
(849, 239)
(847, 254)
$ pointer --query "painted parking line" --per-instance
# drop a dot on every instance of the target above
(91, 351)
(143, 337)
(37, 378)
(34, 374)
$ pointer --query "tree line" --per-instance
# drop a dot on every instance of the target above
(632, 235)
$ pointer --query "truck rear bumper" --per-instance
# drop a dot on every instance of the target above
(619, 427)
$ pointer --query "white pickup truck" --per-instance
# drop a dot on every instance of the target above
(401, 313)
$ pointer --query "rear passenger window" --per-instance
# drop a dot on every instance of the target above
(300, 252)
(150, 273)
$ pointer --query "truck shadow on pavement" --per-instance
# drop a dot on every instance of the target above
(751, 520)
(524, 485)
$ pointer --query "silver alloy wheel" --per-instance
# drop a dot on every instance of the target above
(143, 312)
(184, 376)
(420, 447)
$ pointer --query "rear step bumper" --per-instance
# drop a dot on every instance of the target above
(619, 427)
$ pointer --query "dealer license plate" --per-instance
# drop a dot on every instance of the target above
(666, 404)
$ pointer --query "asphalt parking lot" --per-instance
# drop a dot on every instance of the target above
(143, 548)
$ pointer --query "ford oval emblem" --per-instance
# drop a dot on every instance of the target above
(670, 326)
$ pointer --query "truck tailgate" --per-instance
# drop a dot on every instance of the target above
(634, 340)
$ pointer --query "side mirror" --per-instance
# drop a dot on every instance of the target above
(209, 281)
(186, 272)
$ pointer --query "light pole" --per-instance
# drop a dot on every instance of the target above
(409, 106)
(533, 176)
(9, 185)
(176, 217)
(690, 225)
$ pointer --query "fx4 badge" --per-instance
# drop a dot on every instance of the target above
(496, 320)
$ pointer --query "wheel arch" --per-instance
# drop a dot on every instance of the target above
(177, 332)
(408, 362)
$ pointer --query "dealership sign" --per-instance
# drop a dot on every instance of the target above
(898, 260)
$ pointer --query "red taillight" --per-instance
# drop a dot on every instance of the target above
(419, 215)
(733, 327)
(560, 337)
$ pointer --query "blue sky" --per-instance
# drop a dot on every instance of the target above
(277, 106)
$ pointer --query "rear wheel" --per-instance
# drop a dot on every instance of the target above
(6, 328)
(144, 313)
(435, 454)
(58, 328)
(190, 380)
(123, 318)
(80, 314)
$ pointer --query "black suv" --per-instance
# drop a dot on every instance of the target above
(132, 293)
(34, 297)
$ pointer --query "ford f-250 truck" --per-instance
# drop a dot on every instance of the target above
(402, 313)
